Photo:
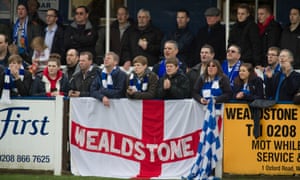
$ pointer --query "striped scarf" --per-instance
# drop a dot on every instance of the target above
(9, 85)
(139, 84)
(107, 81)
(22, 40)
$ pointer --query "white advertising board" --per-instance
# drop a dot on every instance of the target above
(30, 135)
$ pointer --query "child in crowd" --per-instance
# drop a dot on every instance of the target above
(40, 55)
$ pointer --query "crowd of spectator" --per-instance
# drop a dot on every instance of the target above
(259, 62)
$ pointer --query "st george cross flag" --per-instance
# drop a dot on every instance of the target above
(209, 150)
(134, 138)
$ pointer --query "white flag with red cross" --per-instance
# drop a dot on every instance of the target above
(134, 138)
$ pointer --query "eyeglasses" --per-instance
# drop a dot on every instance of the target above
(231, 51)
(271, 55)
(79, 13)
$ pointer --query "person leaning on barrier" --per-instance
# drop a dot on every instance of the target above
(212, 85)
(81, 82)
(110, 82)
(142, 82)
(174, 84)
(283, 85)
(52, 82)
(15, 78)
(248, 86)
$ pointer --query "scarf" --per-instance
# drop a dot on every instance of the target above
(9, 84)
(22, 43)
(234, 71)
(107, 81)
(139, 84)
(52, 84)
(262, 27)
(212, 89)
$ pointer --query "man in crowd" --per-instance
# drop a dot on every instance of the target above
(231, 65)
(72, 60)
(290, 36)
(80, 34)
(269, 29)
(119, 36)
(111, 82)
(170, 51)
(54, 34)
(245, 34)
(183, 36)
(4, 54)
(23, 32)
(81, 81)
(213, 33)
(206, 53)
(144, 39)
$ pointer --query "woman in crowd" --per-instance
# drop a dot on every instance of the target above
(52, 82)
(247, 86)
(212, 85)
(142, 82)
(14, 80)
(174, 84)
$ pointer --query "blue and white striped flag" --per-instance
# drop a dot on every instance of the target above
(209, 149)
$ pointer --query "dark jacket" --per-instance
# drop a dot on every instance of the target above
(185, 40)
(117, 44)
(214, 36)
(82, 39)
(246, 35)
(194, 74)
(79, 83)
(119, 79)
(58, 43)
(38, 87)
(224, 85)
(291, 40)
(180, 87)
(271, 37)
(289, 86)
(256, 89)
(152, 86)
(23, 87)
(153, 35)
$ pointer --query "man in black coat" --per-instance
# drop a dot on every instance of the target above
(212, 34)
(80, 34)
(269, 30)
(145, 39)
(245, 34)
